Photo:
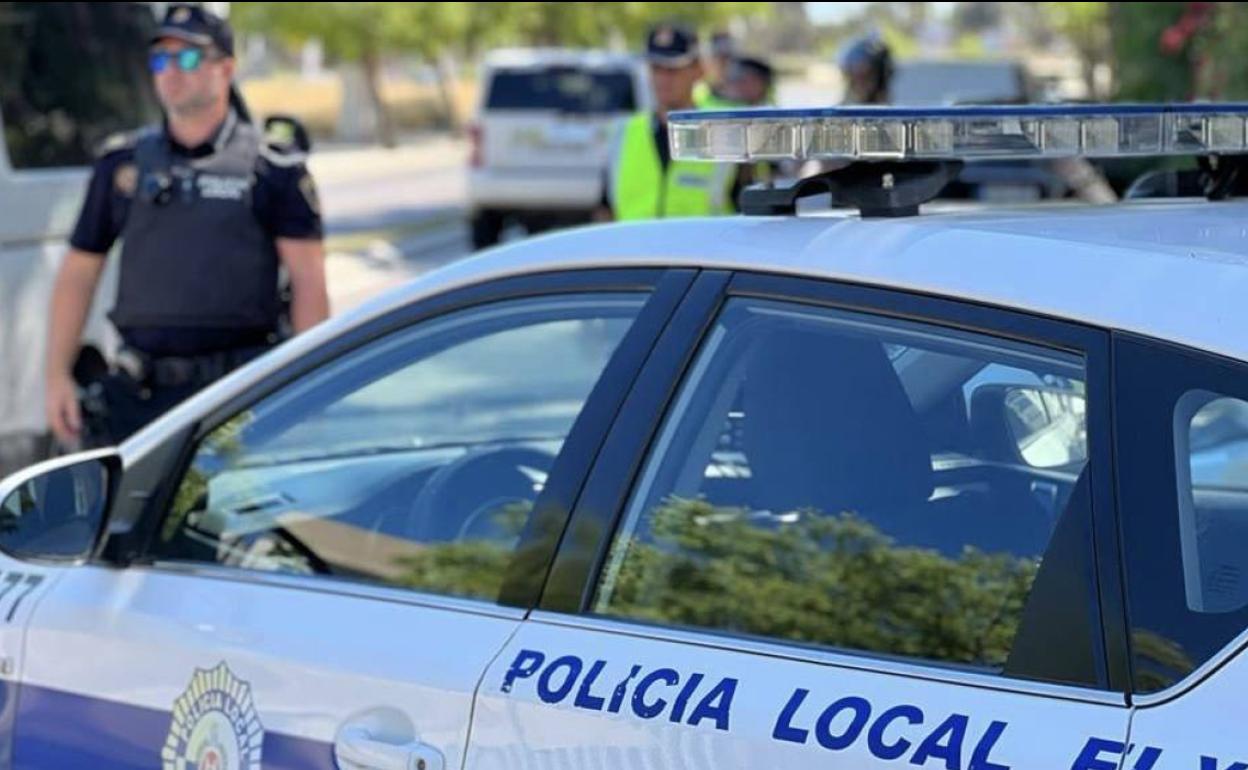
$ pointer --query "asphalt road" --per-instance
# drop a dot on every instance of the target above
(391, 214)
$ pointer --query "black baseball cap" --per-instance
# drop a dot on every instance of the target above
(196, 26)
(755, 66)
(670, 45)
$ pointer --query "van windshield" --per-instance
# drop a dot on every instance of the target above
(563, 89)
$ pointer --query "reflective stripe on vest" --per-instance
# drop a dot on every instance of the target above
(641, 190)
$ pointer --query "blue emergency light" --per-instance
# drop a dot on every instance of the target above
(959, 133)
(888, 160)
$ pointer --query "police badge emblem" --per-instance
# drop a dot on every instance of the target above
(215, 725)
(308, 189)
(126, 179)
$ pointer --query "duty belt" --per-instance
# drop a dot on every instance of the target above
(175, 371)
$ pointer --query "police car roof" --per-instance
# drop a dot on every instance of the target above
(1169, 269)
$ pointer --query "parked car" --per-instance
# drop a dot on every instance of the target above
(542, 135)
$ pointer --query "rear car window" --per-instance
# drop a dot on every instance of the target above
(958, 83)
(1211, 441)
(840, 480)
(564, 89)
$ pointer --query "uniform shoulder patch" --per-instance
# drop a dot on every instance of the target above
(307, 188)
(122, 140)
(126, 179)
(286, 140)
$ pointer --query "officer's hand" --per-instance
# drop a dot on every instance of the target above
(64, 414)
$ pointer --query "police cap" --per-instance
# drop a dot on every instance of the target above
(755, 66)
(670, 45)
(197, 26)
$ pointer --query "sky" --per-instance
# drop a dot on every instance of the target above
(829, 13)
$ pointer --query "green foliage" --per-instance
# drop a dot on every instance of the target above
(1142, 71)
(1210, 63)
(1159, 661)
(351, 31)
(829, 580)
(471, 568)
(225, 445)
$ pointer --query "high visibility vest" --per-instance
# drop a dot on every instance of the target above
(642, 189)
(705, 98)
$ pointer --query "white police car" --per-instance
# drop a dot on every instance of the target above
(959, 491)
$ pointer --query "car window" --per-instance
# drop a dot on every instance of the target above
(845, 481)
(413, 461)
(955, 82)
(70, 75)
(563, 89)
(1212, 447)
(1183, 492)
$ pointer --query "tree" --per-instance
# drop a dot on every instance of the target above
(1180, 51)
(829, 580)
(1086, 27)
(832, 580)
(366, 33)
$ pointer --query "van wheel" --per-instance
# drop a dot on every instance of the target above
(487, 226)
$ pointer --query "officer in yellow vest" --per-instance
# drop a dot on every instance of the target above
(643, 181)
(713, 91)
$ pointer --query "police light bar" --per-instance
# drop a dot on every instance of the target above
(959, 133)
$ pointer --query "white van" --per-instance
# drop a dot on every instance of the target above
(70, 75)
(542, 135)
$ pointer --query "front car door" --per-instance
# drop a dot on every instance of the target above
(343, 549)
(863, 532)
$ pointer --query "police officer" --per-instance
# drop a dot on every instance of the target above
(207, 212)
(752, 81)
(714, 90)
(866, 66)
(643, 181)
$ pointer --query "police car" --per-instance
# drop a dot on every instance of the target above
(965, 491)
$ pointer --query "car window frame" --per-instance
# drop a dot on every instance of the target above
(574, 577)
(1177, 370)
(148, 487)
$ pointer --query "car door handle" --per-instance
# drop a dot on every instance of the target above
(357, 749)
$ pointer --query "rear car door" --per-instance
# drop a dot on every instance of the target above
(837, 527)
(1183, 459)
(339, 554)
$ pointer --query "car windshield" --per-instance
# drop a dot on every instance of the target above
(564, 89)
(948, 83)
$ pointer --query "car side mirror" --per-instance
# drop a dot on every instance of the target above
(1038, 426)
(57, 510)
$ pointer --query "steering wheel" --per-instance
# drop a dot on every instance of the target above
(318, 565)
(458, 500)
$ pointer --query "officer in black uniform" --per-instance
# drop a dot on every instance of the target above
(207, 212)
(866, 64)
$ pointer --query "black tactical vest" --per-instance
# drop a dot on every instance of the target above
(193, 253)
